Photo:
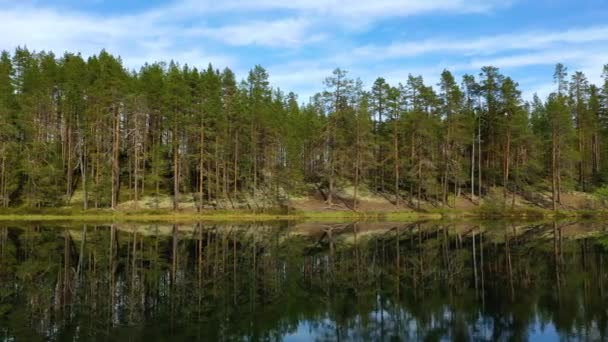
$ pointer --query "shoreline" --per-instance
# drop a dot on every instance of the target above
(104, 215)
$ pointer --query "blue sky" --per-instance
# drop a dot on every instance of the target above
(301, 41)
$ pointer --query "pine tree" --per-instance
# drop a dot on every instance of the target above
(176, 100)
(579, 93)
(259, 95)
(337, 96)
(380, 105)
(8, 130)
(454, 133)
(90, 127)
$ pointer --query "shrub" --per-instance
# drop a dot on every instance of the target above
(602, 194)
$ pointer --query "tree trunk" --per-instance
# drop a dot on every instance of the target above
(96, 166)
(506, 165)
(201, 167)
(137, 137)
(3, 183)
(554, 170)
(116, 161)
(419, 183)
(558, 169)
(516, 164)
(581, 152)
(396, 157)
(175, 168)
(479, 158)
(255, 160)
(236, 163)
(473, 170)
(356, 182)
(68, 192)
(331, 170)
(217, 167)
(331, 181)
(357, 164)
(83, 175)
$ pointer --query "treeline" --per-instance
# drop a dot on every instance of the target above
(68, 124)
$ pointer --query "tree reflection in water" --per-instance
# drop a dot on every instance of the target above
(287, 281)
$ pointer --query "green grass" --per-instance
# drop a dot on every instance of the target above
(212, 216)
(163, 215)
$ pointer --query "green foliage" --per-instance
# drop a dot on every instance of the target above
(601, 194)
(69, 124)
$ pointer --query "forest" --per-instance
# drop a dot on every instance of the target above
(89, 132)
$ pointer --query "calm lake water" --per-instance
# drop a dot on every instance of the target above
(304, 282)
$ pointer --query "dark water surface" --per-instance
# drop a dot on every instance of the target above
(304, 282)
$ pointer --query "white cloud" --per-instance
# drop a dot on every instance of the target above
(289, 32)
(137, 38)
(50, 28)
(549, 57)
(166, 30)
(203, 31)
(362, 9)
(486, 45)
(580, 49)
(590, 61)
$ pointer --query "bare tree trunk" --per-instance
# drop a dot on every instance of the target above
(446, 161)
(516, 178)
(479, 158)
(559, 171)
(83, 175)
(116, 155)
(331, 176)
(596, 153)
(138, 150)
(255, 160)
(68, 192)
(506, 165)
(554, 170)
(419, 183)
(581, 152)
(95, 169)
(3, 186)
(225, 178)
(357, 165)
(473, 170)
(175, 168)
(136, 180)
(396, 158)
(217, 168)
(201, 167)
(236, 163)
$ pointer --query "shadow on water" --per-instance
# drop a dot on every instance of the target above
(302, 282)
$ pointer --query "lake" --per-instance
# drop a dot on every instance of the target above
(293, 281)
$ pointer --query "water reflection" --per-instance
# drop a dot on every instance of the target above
(302, 282)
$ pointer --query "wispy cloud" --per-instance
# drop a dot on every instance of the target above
(371, 10)
(290, 32)
(301, 41)
(137, 38)
(553, 56)
(190, 29)
(531, 40)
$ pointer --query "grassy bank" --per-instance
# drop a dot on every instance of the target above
(104, 215)
(191, 216)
